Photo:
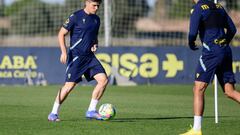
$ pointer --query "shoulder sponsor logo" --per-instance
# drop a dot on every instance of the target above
(205, 7)
(66, 22)
(219, 6)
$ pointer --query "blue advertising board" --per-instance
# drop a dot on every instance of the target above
(142, 65)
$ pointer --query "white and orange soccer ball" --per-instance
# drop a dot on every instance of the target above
(107, 111)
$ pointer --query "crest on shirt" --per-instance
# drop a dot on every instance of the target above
(197, 75)
(84, 20)
(69, 76)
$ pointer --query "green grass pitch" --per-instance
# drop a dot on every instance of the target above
(141, 110)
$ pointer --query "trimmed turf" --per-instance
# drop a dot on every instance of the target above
(141, 110)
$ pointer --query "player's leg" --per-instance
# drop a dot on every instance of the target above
(226, 78)
(96, 72)
(64, 91)
(204, 72)
(61, 96)
(230, 92)
(102, 82)
(198, 103)
(97, 93)
(198, 107)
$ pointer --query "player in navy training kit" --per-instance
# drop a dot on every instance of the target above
(216, 30)
(83, 26)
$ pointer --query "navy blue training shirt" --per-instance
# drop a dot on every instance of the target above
(83, 29)
(209, 21)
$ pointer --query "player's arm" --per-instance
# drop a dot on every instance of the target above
(62, 44)
(231, 29)
(66, 27)
(194, 27)
(95, 46)
(95, 42)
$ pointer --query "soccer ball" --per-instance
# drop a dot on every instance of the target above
(107, 111)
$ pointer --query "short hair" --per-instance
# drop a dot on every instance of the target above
(99, 1)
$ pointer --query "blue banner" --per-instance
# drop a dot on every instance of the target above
(142, 65)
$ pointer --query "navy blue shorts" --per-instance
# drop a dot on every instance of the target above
(220, 65)
(83, 65)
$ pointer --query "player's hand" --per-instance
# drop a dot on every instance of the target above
(63, 58)
(94, 48)
(193, 46)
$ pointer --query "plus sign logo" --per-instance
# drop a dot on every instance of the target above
(172, 65)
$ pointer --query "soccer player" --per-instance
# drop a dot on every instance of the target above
(216, 30)
(83, 26)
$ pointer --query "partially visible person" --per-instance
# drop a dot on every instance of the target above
(216, 30)
(83, 26)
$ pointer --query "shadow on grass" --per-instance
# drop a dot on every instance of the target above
(142, 119)
(158, 118)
